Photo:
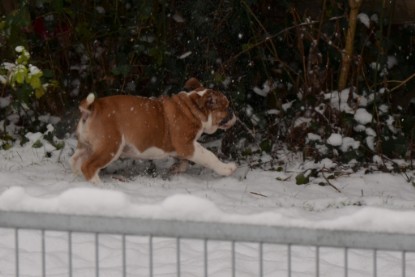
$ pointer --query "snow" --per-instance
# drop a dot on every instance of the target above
(3, 80)
(267, 86)
(375, 18)
(100, 9)
(301, 120)
(375, 66)
(349, 143)
(391, 61)
(34, 70)
(364, 19)
(363, 116)
(19, 49)
(32, 182)
(338, 100)
(335, 139)
(313, 137)
(178, 18)
(370, 142)
(261, 92)
(185, 55)
(5, 101)
(287, 106)
(390, 122)
(29, 181)
(370, 132)
(107, 202)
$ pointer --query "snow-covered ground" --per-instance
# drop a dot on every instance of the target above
(30, 181)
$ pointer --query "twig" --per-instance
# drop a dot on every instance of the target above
(250, 132)
(401, 82)
(257, 193)
(268, 38)
(397, 167)
(330, 184)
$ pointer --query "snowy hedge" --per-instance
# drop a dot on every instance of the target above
(279, 67)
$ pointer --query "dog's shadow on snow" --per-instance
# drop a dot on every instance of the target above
(126, 170)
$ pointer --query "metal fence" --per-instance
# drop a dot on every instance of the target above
(248, 248)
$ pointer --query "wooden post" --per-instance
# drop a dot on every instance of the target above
(348, 50)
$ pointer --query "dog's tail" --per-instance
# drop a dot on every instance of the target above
(85, 108)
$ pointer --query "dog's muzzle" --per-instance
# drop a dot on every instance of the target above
(226, 122)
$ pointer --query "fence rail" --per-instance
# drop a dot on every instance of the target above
(205, 231)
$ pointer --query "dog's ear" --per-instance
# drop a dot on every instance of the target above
(192, 84)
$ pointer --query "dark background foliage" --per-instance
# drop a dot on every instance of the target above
(291, 49)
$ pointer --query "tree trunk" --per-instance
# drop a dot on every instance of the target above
(7, 6)
(348, 50)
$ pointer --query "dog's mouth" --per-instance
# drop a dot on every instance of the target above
(229, 120)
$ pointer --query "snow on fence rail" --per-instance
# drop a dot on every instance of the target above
(314, 259)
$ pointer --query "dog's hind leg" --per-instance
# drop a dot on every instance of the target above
(100, 157)
(81, 153)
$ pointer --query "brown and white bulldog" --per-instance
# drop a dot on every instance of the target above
(151, 128)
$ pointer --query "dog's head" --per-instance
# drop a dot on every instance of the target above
(214, 104)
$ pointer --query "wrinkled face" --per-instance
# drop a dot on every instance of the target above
(220, 113)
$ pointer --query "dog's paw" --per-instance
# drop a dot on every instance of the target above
(95, 180)
(178, 167)
(227, 169)
(75, 167)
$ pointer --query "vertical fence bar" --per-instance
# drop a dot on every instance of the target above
(124, 256)
(346, 262)
(205, 256)
(96, 255)
(233, 259)
(16, 248)
(289, 260)
(375, 271)
(317, 261)
(70, 253)
(178, 256)
(43, 250)
(403, 263)
(150, 254)
(261, 259)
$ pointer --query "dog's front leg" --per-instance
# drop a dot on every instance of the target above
(206, 158)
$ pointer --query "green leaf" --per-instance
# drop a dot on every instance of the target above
(266, 145)
(20, 74)
(23, 58)
(59, 145)
(48, 73)
(39, 92)
(35, 82)
(6, 146)
(246, 47)
(301, 179)
(37, 144)
(121, 70)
